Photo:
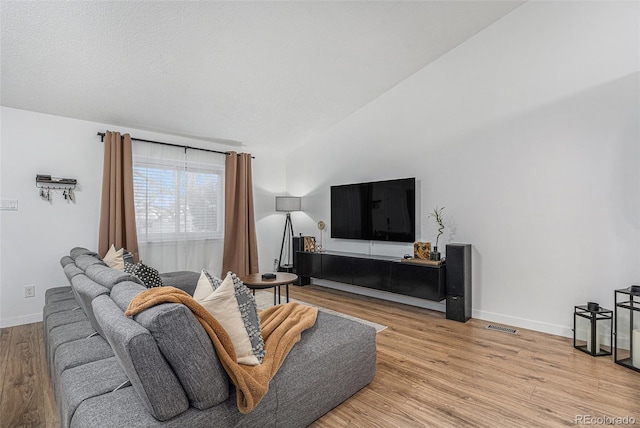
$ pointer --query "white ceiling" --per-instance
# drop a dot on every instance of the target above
(269, 74)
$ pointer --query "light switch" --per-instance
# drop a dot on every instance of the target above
(9, 204)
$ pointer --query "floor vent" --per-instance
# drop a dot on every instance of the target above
(502, 329)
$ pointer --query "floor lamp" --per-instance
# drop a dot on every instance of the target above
(287, 204)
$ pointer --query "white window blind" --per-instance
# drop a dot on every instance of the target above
(178, 197)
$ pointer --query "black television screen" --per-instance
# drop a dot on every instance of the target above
(376, 211)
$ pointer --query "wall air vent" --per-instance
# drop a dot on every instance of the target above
(502, 329)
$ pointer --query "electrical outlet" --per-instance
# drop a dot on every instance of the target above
(29, 291)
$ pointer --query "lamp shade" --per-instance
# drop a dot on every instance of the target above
(288, 203)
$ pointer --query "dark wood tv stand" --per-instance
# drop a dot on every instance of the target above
(377, 272)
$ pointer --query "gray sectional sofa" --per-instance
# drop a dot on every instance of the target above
(160, 368)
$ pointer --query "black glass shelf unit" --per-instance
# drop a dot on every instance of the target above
(627, 328)
(599, 327)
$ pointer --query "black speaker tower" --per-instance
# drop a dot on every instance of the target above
(298, 245)
(458, 263)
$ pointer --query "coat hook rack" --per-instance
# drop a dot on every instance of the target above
(46, 184)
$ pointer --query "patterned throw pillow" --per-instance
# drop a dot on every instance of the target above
(233, 305)
(129, 268)
(249, 310)
(149, 276)
(127, 256)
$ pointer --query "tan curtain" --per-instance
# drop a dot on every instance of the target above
(240, 243)
(117, 212)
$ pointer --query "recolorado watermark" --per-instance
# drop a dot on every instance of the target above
(604, 420)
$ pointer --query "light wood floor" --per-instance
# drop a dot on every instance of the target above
(431, 373)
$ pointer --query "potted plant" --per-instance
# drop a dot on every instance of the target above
(437, 215)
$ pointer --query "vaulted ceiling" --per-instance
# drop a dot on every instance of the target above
(264, 74)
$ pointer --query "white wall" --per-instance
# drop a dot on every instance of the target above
(268, 182)
(34, 238)
(528, 134)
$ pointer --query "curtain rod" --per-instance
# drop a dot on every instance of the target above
(102, 134)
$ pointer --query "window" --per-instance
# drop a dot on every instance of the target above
(178, 200)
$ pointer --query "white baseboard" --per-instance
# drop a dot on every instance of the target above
(25, 319)
(557, 330)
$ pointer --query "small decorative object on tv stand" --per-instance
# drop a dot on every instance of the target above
(321, 227)
(419, 261)
(422, 250)
(310, 244)
(437, 215)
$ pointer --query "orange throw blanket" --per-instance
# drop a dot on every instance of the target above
(281, 326)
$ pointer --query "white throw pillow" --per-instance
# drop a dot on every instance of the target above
(231, 303)
(115, 258)
(206, 284)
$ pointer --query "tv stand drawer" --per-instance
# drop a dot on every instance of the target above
(381, 273)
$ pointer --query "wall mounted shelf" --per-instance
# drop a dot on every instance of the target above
(46, 183)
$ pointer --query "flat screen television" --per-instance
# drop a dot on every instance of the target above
(375, 211)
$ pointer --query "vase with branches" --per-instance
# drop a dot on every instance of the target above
(437, 215)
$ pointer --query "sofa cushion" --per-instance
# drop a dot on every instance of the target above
(108, 277)
(60, 305)
(79, 251)
(123, 293)
(66, 317)
(72, 270)
(79, 352)
(76, 353)
(231, 303)
(137, 352)
(86, 290)
(184, 280)
(64, 306)
(189, 351)
(121, 408)
(333, 360)
(65, 261)
(84, 261)
(106, 375)
(61, 297)
(56, 290)
(66, 333)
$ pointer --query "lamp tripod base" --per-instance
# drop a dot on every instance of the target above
(287, 237)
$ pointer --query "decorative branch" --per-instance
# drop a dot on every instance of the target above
(437, 215)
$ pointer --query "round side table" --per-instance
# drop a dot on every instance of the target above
(255, 282)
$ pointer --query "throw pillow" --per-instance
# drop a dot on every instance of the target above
(130, 268)
(149, 276)
(127, 256)
(233, 305)
(206, 284)
(114, 258)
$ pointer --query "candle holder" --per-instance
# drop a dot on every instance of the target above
(627, 328)
(592, 329)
